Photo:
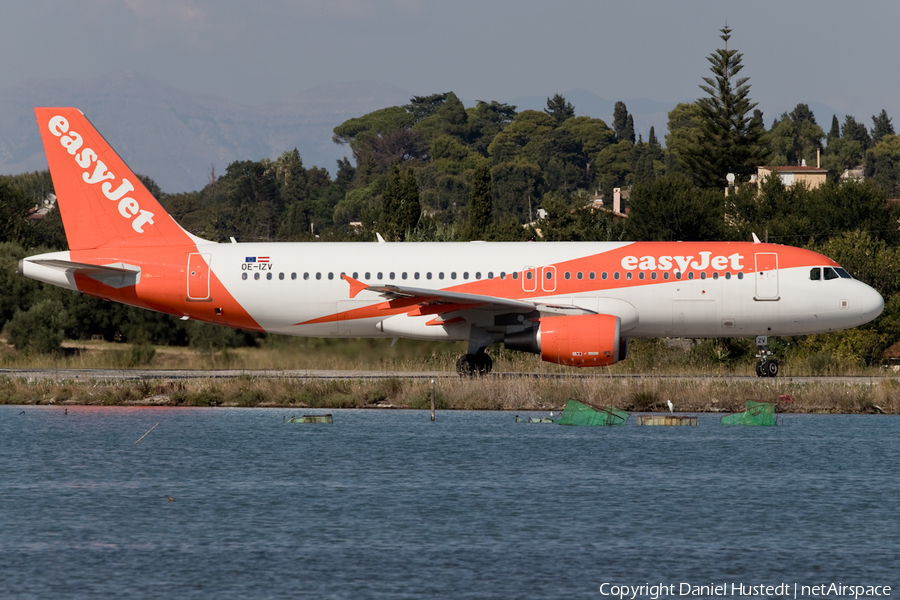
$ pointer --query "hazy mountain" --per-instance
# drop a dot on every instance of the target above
(174, 136)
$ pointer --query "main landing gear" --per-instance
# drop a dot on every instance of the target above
(471, 365)
(766, 365)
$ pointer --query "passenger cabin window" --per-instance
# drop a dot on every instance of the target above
(579, 275)
(815, 274)
(355, 275)
(293, 276)
(528, 275)
(243, 276)
(515, 275)
(490, 275)
(256, 276)
(428, 275)
(331, 276)
(269, 276)
(549, 274)
(441, 275)
(465, 274)
(453, 275)
(318, 276)
(306, 276)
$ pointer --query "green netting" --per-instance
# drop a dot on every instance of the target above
(578, 413)
(757, 414)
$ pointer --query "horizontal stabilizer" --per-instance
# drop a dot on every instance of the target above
(116, 275)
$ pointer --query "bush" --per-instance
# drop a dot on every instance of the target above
(40, 328)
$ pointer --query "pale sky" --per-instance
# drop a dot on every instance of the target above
(829, 52)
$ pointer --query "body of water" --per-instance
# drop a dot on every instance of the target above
(387, 504)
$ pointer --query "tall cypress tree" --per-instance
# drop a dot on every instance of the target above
(620, 122)
(481, 205)
(410, 208)
(731, 141)
(835, 132)
(628, 134)
(390, 205)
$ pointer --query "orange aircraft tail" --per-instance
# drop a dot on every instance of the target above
(102, 202)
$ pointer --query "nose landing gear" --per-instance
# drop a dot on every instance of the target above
(766, 365)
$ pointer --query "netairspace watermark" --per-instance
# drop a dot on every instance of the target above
(784, 590)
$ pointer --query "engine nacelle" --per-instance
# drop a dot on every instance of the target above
(577, 341)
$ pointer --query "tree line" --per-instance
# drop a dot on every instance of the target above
(434, 170)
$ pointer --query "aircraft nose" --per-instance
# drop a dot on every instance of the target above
(870, 303)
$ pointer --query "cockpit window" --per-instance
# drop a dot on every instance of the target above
(844, 274)
(815, 274)
(830, 274)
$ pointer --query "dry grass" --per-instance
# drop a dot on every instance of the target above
(491, 393)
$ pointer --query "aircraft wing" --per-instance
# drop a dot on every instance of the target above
(439, 301)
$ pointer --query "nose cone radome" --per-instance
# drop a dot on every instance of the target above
(869, 304)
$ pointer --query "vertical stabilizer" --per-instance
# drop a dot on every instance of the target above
(102, 202)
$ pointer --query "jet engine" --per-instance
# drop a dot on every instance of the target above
(577, 340)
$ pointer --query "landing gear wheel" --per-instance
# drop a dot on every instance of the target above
(466, 365)
(759, 370)
(483, 363)
(470, 365)
(771, 368)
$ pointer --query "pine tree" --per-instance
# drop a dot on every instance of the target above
(881, 126)
(559, 109)
(856, 131)
(731, 141)
(481, 205)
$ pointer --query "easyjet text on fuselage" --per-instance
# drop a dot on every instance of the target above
(684, 263)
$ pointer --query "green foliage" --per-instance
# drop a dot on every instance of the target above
(795, 137)
(481, 206)
(672, 209)
(39, 329)
(559, 109)
(623, 123)
(883, 164)
(881, 126)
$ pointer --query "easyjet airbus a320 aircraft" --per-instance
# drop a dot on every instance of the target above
(573, 303)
